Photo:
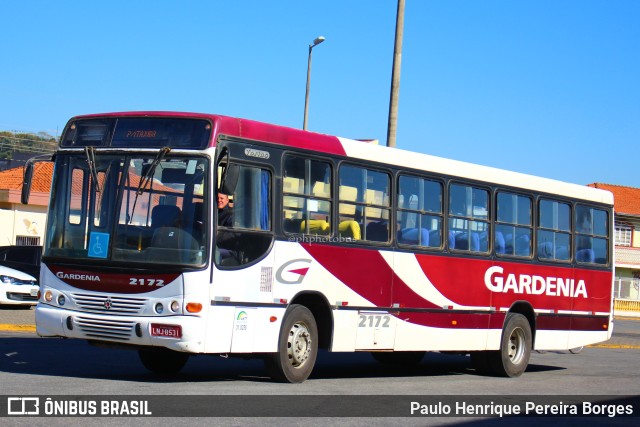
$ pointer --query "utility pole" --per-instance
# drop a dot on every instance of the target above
(395, 77)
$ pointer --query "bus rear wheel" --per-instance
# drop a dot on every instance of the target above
(162, 360)
(515, 348)
(297, 347)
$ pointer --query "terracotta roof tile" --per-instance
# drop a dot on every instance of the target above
(626, 199)
(11, 179)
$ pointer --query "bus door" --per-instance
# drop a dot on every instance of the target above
(243, 239)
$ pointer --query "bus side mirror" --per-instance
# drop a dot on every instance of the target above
(230, 179)
(27, 176)
(26, 182)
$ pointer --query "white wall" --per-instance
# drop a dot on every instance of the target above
(22, 220)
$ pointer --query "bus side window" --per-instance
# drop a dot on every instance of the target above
(468, 218)
(554, 230)
(364, 204)
(249, 239)
(306, 202)
(419, 212)
(591, 231)
(513, 225)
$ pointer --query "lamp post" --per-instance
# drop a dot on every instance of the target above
(315, 43)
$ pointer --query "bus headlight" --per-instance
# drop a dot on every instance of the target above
(61, 299)
(159, 308)
(175, 306)
(48, 296)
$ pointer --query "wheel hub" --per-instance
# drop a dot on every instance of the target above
(299, 344)
(516, 346)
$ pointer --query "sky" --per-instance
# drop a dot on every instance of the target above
(543, 87)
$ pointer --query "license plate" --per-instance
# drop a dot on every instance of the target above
(34, 292)
(171, 331)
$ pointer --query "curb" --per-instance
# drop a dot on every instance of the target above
(5, 327)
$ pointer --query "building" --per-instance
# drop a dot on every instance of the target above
(627, 246)
(24, 224)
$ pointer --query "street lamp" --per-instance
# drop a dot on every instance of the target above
(315, 43)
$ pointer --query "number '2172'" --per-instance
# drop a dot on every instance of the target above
(374, 321)
(145, 282)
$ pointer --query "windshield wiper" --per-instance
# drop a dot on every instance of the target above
(90, 152)
(146, 178)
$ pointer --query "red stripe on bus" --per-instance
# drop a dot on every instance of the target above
(125, 283)
(367, 273)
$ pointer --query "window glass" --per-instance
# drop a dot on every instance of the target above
(623, 235)
(99, 214)
(419, 212)
(306, 186)
(144, 209)
(364, 206)
(555, 215)
(244, 232)
(76, 199)
(514, 226)
(554, 236)
(468, 218)
(591, 235)
(161, 212)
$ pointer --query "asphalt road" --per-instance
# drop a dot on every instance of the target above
(30, 365)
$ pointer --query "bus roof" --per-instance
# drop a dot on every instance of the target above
(282, 135)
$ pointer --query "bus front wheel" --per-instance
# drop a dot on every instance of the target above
(297, 347)
(163, 361)
(515, 347)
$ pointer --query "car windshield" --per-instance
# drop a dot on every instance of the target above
(139, 208)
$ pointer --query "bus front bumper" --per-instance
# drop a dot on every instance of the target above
(179, 333)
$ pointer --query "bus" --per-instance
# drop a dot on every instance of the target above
(327, 243)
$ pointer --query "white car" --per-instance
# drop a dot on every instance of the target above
(17, 288)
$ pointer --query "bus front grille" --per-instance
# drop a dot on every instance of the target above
(101, 303)
(106, 329)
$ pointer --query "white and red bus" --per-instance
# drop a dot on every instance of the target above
(333, 243)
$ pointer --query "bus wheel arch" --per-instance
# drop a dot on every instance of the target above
(516, 344)
(524, 308)
(321, 310)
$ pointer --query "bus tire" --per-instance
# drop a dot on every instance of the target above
(297, 347)
(515, 347)
(163, 361)
(403, 358)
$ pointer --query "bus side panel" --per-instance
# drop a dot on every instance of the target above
(410, 336)
(219, 329)
(345, 329)
(256, 330)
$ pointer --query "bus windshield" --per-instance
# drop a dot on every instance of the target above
(141, 208)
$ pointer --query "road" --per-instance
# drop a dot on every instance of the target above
(30, 365)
